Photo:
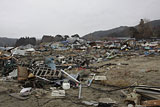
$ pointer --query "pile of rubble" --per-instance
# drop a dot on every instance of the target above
(50, 73)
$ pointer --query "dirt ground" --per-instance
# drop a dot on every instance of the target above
(125, 71)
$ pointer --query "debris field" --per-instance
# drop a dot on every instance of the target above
(84, 75)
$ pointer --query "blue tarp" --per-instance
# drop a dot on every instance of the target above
(147, 48)
(64, 42)
(49, 61)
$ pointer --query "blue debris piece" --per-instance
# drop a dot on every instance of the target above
(147, 48)
(49, 61)
(146, 53)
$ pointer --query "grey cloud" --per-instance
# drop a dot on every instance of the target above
(37, 17)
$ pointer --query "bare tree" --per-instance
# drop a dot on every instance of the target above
(145, 29)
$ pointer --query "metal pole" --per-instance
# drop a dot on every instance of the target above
(70, 76)
(80, 91)
(80, 86)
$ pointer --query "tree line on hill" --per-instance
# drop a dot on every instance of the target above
(46, 38)
(144, 30)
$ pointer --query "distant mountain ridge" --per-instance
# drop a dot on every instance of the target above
(122, 31)
(7, 41)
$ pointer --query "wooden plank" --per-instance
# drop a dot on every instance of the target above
(151, 103)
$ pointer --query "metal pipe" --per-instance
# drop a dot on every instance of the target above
(70, 76)
(80, 91)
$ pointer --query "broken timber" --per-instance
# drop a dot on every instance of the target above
(45, 72)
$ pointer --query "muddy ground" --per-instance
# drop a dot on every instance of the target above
(124, 71)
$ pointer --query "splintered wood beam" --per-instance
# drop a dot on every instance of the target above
(151, 103)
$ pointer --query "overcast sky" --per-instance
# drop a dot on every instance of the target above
(36, 18)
